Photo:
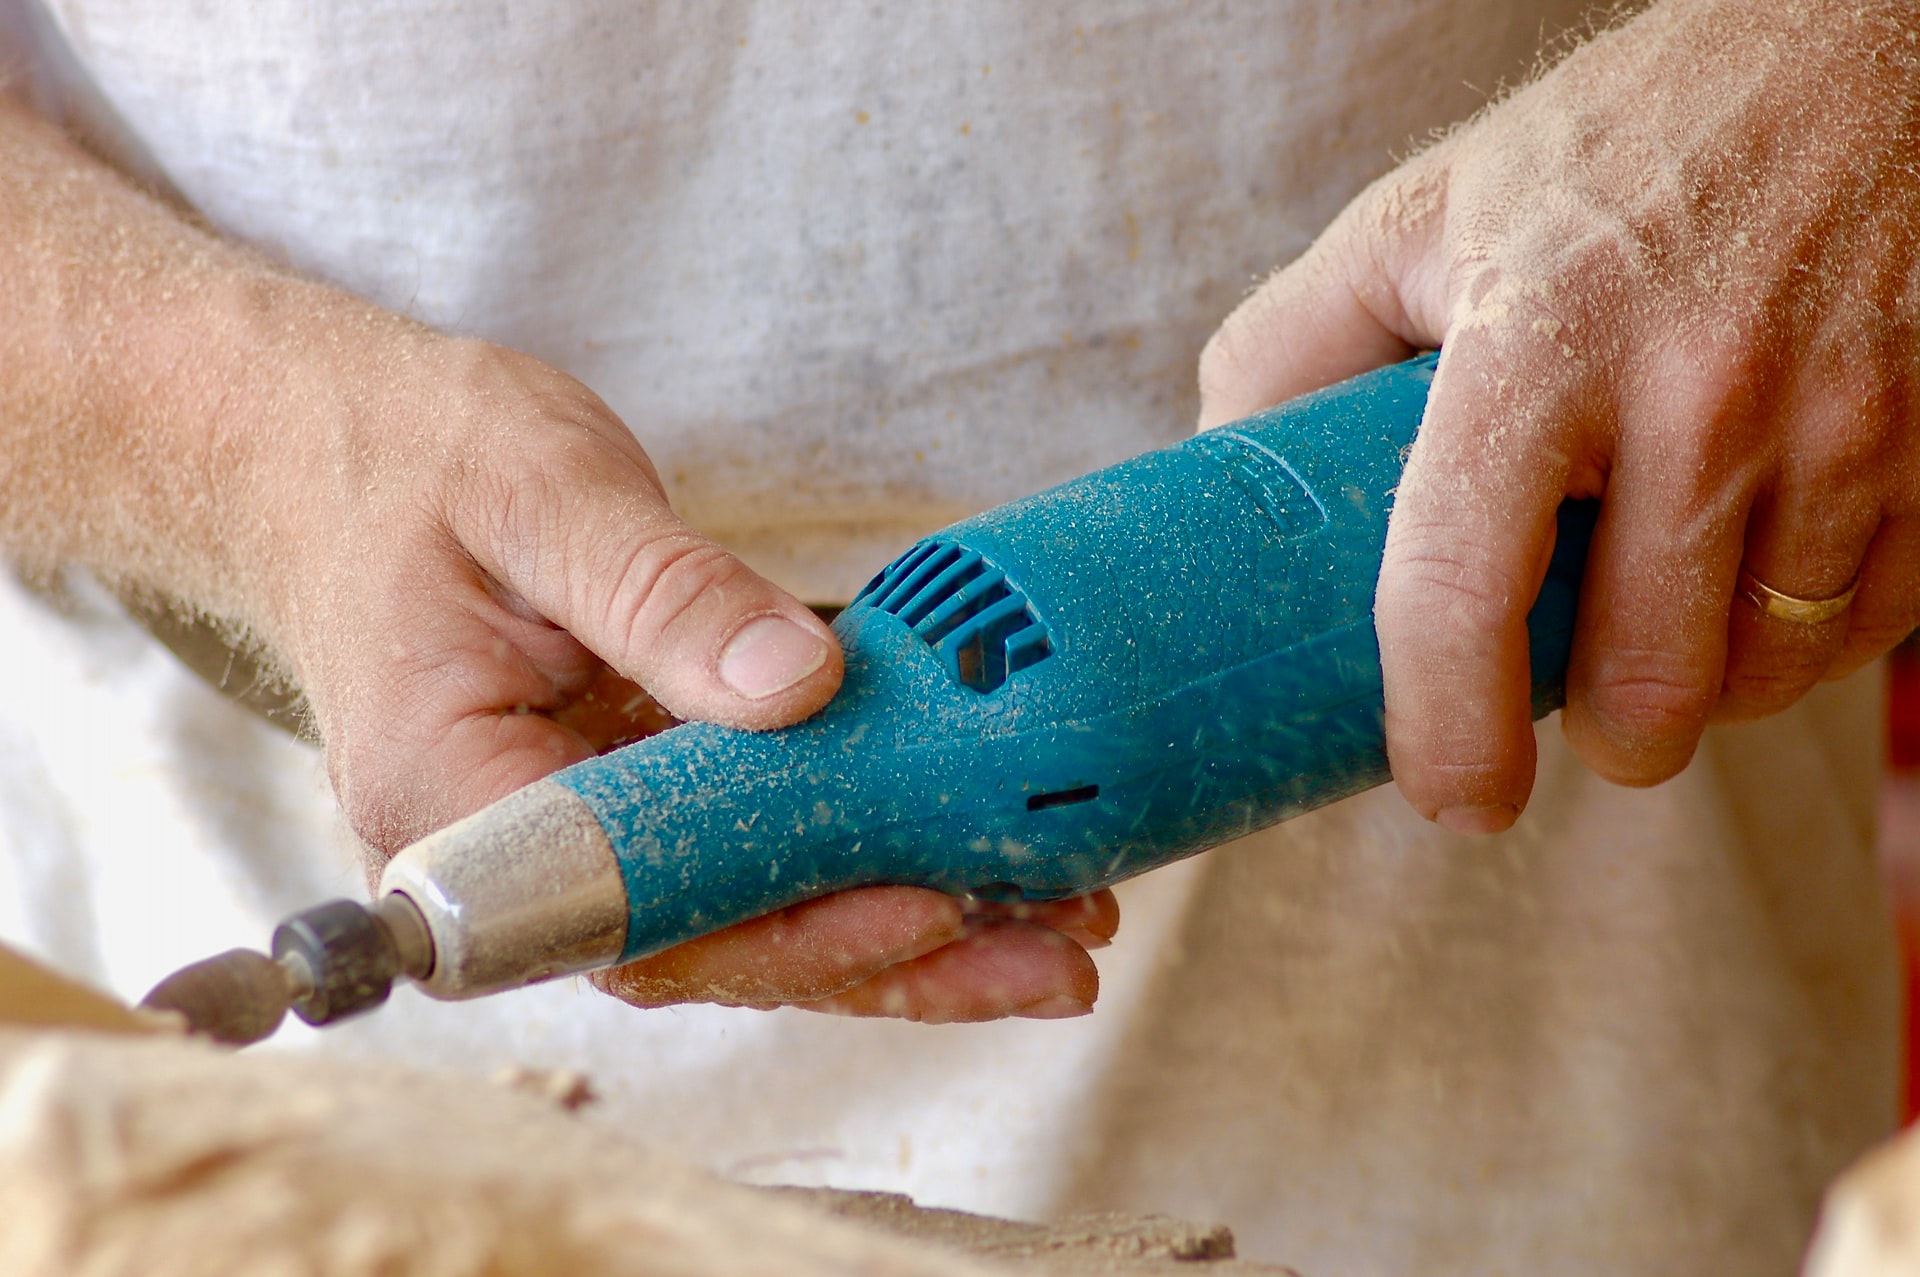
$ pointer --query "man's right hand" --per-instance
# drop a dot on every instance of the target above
(488, 584)
(1676, 271)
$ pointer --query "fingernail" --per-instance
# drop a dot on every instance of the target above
(769, 655)
(1478, 820)
(1058, 1007)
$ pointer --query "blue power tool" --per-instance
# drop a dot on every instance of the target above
(1051, 697)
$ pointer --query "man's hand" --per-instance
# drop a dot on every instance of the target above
(460, 555)
(1679, 270)
(490, 585)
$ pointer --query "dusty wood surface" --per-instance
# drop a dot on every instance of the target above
(129, 1152)
(1102, 1243)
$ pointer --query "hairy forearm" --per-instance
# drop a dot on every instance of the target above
(146, 373)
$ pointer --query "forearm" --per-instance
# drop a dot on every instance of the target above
(144, 369)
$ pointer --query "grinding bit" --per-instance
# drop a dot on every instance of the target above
(329, 962)
(238, 997)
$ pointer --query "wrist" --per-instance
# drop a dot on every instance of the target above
(161, 387)
(213, 380)
(301, 425)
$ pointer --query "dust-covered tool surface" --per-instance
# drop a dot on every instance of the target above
(1039, 701)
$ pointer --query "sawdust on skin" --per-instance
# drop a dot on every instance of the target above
(1706, 314)
(189, 421)
(1676, 269)
(1722, 227)
(120, 460)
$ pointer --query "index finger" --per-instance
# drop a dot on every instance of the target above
(1467, 547)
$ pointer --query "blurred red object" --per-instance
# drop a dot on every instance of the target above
(1900, 849)
(1903, 707)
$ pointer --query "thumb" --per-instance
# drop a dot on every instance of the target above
(589, 541)
(1340, 309)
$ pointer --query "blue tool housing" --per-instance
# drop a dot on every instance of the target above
(1071, 689)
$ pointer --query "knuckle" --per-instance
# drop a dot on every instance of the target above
(1775, 683)
(1219, 367)
(1406, 204)
(1474, 782)
(525, 500)
(518, 500)
(1707, 376)
(1232, 360)
(1390, 227)
(664, 580)
(1843, 465)
(1869, 637)
(502, 381)
(519, 493)
(1872, 638)
(1439, 609)
(1651, 698)
(523, 440)
(1434, 586)
(1593, 256)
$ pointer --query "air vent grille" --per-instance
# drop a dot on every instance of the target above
(965, 609)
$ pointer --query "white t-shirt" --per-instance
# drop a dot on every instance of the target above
(853, 271)
(850, 272)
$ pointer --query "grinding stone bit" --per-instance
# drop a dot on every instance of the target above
(237, 997)
(329, 962)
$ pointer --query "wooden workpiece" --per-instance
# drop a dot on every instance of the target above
(128, 1149)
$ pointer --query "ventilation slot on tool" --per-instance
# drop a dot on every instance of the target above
(965, 609)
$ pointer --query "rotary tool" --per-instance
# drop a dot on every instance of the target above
(1045, 699)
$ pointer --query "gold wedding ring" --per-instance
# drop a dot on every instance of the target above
(1785, 607)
